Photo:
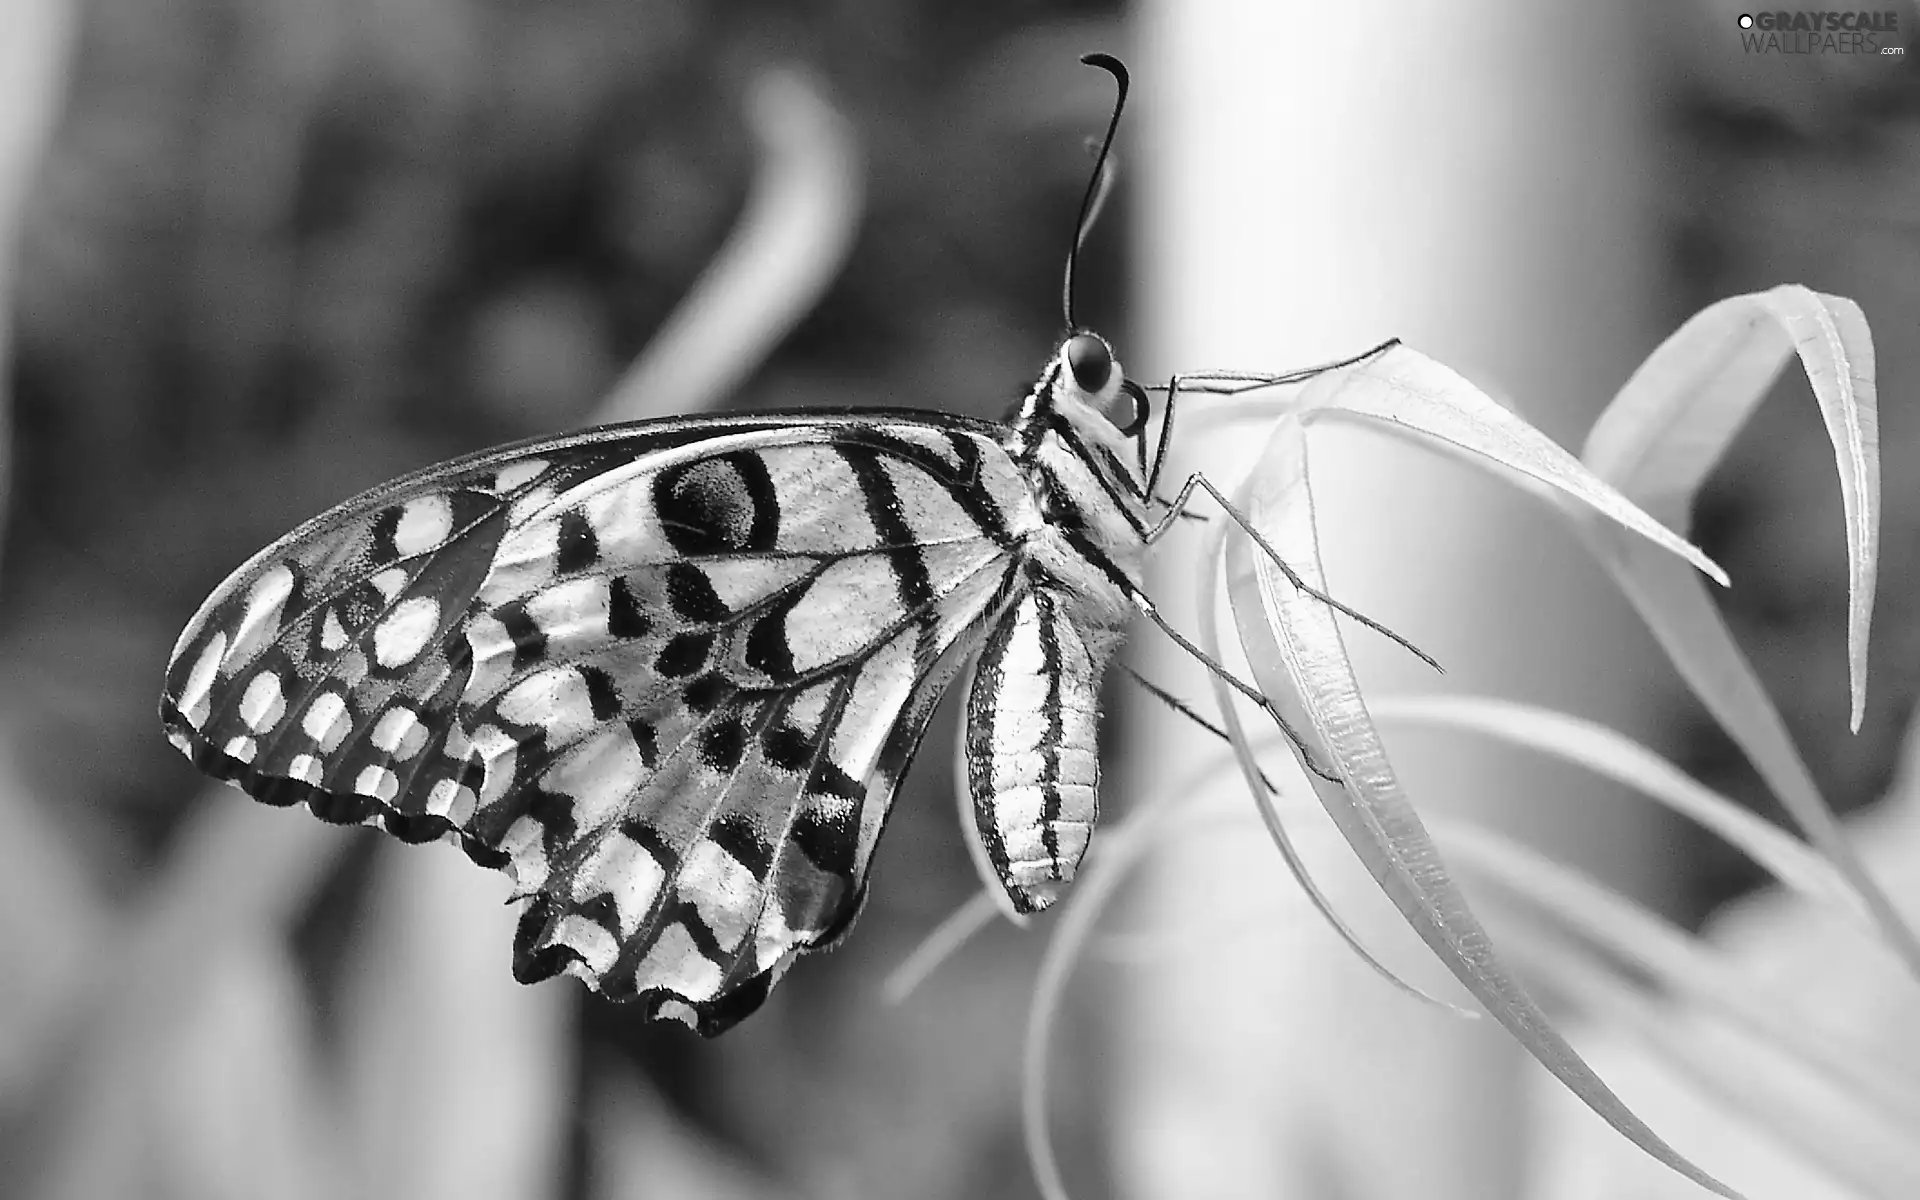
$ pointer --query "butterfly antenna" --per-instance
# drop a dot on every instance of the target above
(1096, 185)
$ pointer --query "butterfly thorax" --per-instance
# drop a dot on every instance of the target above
(1089, 492)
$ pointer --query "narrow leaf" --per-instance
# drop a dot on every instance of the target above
(955, 930)
(479, 1109)
(1287, 709)
(1691, 972)
(1120, 848)
(1657, 442)
(789, 244)
(1675, 417)
(1407, 392)
(1606, 752)
(1295, 650)
(1860, 1150)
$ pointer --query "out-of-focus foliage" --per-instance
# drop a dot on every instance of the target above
(1783, 1114)
(1802, 167)
(281, 251)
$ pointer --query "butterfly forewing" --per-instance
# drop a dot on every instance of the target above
(328, 653)
(667, 675)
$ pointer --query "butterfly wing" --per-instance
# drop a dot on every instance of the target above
(666, 675)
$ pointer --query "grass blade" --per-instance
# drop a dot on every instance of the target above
(1294, 647)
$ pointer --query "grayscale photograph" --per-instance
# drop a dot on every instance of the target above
(740, 600)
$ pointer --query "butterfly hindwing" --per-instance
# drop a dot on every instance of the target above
(695, 908)
(667, 675)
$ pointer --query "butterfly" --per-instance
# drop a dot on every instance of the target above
(668, 674)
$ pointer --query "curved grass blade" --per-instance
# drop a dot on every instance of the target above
(1657, 442)
(1404, 391)
(944, 940)
(1851, 1148)
(1667, 428)
(1121, 848)
(1693, 974)
(1295, 650)
(1265, 796)
(1864, 1146)
(1609, 753)
(789, 244)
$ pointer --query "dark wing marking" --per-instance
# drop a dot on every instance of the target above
(745, 844)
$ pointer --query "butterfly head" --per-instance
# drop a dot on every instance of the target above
(1085, 390)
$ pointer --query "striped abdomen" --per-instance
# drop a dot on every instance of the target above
(1032, 761)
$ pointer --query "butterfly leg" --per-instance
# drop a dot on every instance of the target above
(1197, 480)
(1151, 611)
(1190, 713)
(1234, 383)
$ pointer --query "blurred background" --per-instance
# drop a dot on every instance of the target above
(257, 256)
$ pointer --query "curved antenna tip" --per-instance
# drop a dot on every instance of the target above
(1106, 62)
(1090, 202)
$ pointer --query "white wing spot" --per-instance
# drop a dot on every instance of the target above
(350, 668)
(377, 782)
(572, 611)
(272, 588)
(490, 742)
(809, 707)
(262, 620)
(332, 634)
(602, 774)
(722, 890)
(676, 964)
(452, 801)
(628, 870)
(263, 703)
(523, 562)
(555, 700)
(529, 504)
(440, 799)
(525, 843)
(498, 755)
(304, 768)
(390, 582)
(193, 697)
(928, 439)
(594, 944)
(741, 582)
(403, 633)
(326, 721)
(242, 748)
(773, 938)
(424, 525)
(400, 733)
(456, 747)
(519, 475)
(843, 610)
(492, 655)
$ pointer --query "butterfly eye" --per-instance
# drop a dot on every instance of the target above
(1090, 361)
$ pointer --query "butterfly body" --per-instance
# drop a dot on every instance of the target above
(668, 675)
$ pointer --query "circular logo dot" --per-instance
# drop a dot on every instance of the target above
(1746, 20)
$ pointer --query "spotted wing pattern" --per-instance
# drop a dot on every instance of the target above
(666, 675)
